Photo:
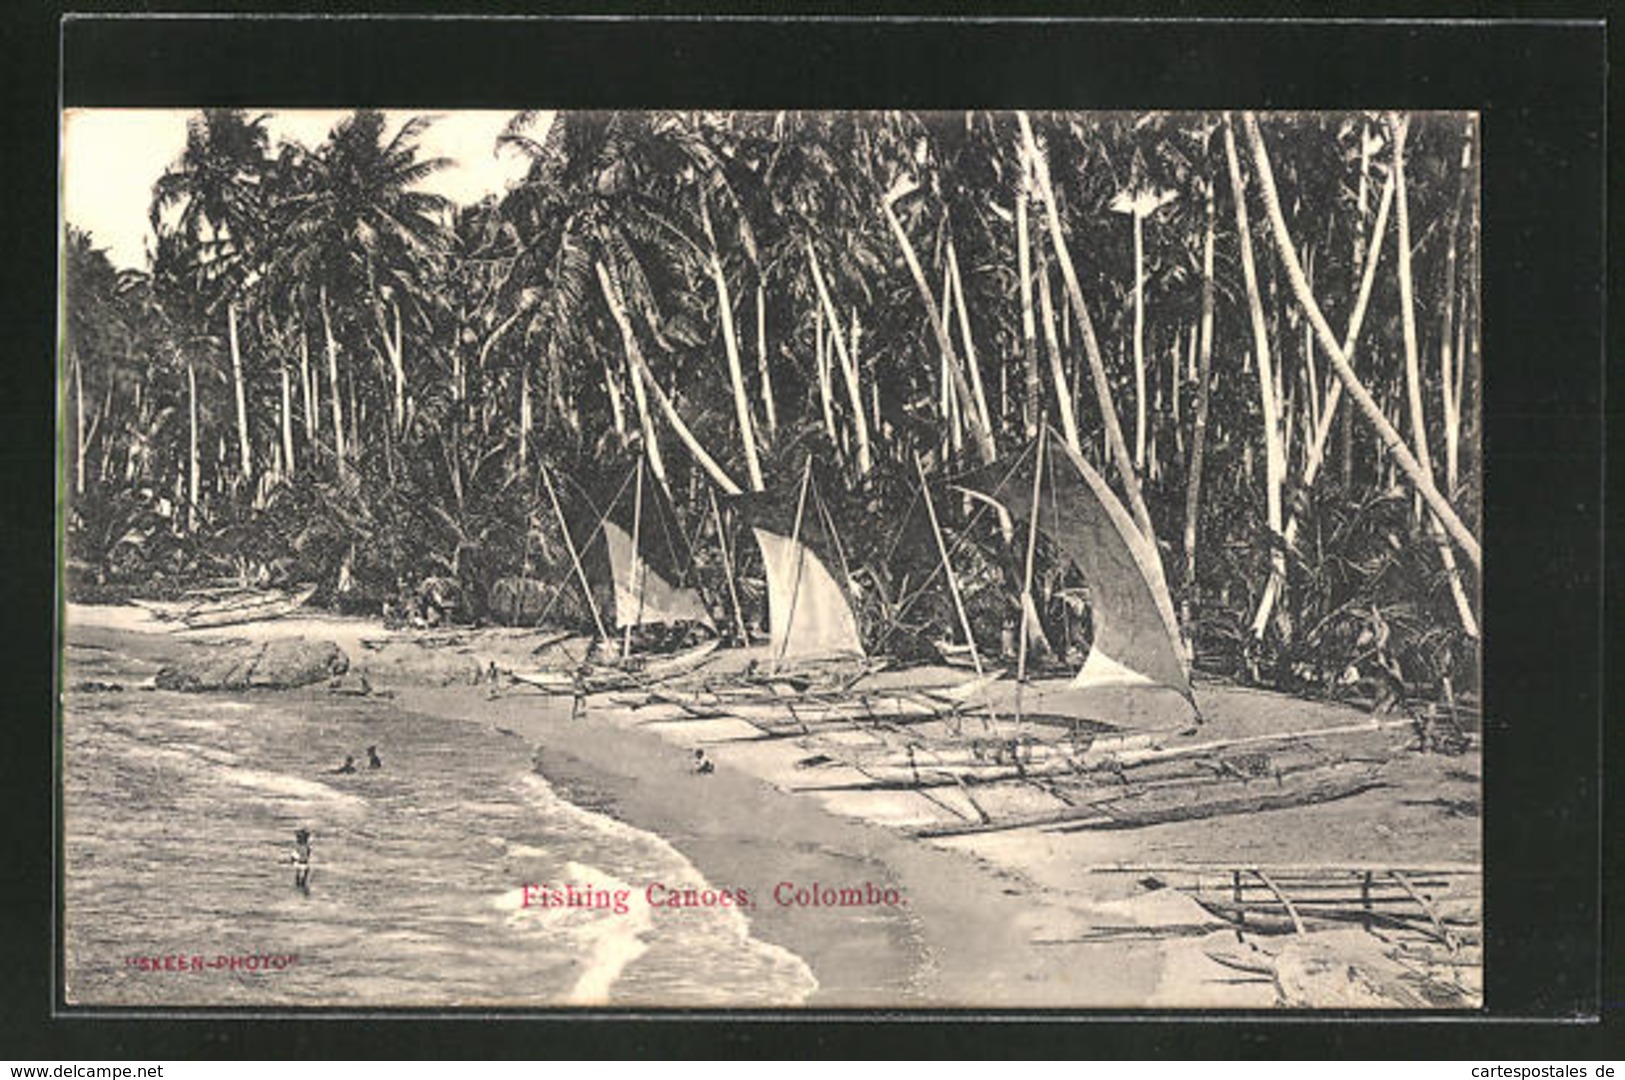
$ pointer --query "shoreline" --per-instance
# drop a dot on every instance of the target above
(963, 923)
(1004, 920)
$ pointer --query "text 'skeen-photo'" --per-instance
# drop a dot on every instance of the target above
(770, 560)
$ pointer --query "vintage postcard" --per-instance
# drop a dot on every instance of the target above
(770, 559)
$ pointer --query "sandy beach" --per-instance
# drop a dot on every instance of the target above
(1019, 919)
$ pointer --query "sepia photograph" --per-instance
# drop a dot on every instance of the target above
(770, 559)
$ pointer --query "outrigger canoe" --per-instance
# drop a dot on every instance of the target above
(242, 608)
(639, 671)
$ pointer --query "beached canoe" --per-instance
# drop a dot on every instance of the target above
(635, 672)
(255, 607)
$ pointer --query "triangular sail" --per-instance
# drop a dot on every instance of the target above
(642, 596)
(808, 614)
(1136, 638)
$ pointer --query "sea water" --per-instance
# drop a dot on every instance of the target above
(179, 811)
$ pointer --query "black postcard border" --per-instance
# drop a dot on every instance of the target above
(1540, 86)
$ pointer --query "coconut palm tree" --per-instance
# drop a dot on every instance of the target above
(372, 242)
(213, 196)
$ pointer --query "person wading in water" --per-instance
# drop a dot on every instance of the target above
(301, 860)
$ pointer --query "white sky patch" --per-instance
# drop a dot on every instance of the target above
(112, 157)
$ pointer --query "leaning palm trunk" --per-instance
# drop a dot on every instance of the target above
(985, 447)
(982, 414)
(1315, 455)
(1204, 362)
(849, 371)
(736, 372)
(1368, 406)
(1097, 365)
(641, 375)
(1413, 375)
(634, 363)
(237, 390)
(1057, 367)
(1451, 358)
(1274, 457)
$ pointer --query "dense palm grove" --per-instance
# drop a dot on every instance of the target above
(327, 375)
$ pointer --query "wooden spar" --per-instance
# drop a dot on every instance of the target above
(637, 579)
(1095, 816)
(1287, 869)
(1427, 908)
(1135, 757)
(1297, 923)
(575, 556)
(1027, 605)
(947, 565)
(801, 558)
(727, 568)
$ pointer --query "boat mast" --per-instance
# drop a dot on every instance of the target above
(575, 557)
(638, 580)
(727, 568)
(1028, 607)
(947, 565)
(801, 560)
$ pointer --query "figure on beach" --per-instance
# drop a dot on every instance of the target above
(348, 766)
(702, 764)
(301, 860)
(373, 760)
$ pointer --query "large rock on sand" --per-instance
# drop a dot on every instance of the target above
(273, 665)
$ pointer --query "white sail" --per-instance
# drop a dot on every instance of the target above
(808, 613)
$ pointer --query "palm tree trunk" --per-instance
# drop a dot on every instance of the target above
(1204, 366)
(1413, 374)
(337, 401)
(78, 424)
(1097, 365)
(982, 414)
(1451, 358)
(952, 414)
(247, 471)
(635, 367)
(1139, 340)
(825, 389)
(1029, 336)
(287, 420)
(849, 369)
(524, 414)
(985, 447)
(1274, 465)
(307, 389)
(1063, 393)
(763, 369)
(194, 477)
(1314, 455)
(736, 371)
(1368, 406)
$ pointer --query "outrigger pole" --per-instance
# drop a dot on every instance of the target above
(575, 557)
